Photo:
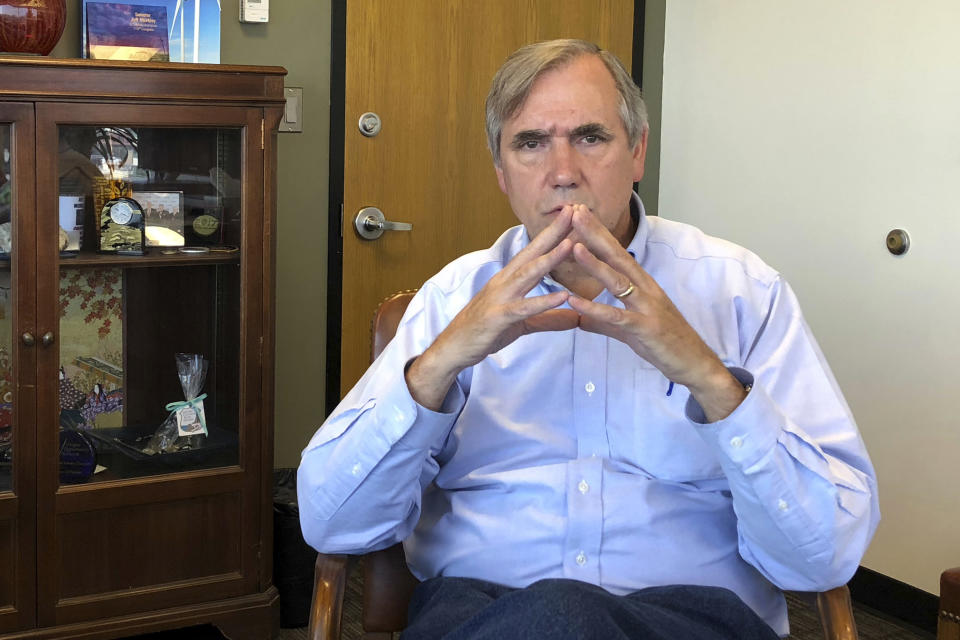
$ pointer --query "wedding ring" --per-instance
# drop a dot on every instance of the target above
(620, 296)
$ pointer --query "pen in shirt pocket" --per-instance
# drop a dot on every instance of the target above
(670, 388)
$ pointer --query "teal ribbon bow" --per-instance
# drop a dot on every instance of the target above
(176, 406)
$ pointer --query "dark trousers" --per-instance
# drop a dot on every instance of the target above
(468, 609)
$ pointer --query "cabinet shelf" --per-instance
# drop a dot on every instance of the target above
(152, 258)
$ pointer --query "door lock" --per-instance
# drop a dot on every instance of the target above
(370, 124)
(370, 223)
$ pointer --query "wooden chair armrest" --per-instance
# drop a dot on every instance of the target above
(836, 614)
(948, 624)
(326, 607)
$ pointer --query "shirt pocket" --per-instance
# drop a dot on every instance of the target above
(654, 435)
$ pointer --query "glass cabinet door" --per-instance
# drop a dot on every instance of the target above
(149, 254)
(17, 368)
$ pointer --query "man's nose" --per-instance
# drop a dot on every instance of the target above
(564, 165)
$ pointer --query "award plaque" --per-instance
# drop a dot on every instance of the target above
(78, 457)
(122, 227)
(206, 225)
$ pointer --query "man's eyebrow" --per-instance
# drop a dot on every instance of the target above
(535, 135)
(591, 129)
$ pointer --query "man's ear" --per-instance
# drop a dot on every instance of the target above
(640, 156)
(500, 178)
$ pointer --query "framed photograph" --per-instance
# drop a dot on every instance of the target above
(190, 30)
(71, 221)
(123, 31)
(163, 213)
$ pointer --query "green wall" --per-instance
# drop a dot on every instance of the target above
(297, 38)
(653, 30)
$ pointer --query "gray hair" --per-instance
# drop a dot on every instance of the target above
(515, 78)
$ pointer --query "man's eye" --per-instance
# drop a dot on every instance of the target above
(592, 139)
(529, 144)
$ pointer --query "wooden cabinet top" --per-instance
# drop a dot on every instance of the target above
(69, 80)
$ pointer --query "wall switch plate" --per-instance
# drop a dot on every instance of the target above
(254, 10)
(293, 111)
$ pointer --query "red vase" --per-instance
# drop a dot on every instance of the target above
(31, 26)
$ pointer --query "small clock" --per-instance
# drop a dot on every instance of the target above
(122, 227)
(122, 212)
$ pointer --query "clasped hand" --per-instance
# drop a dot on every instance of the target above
(649, 323)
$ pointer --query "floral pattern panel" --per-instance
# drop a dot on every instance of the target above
(91, 348)
(7, 386)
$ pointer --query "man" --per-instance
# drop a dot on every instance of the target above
(605, 425)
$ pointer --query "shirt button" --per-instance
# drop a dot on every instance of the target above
(782, 505)
(736, 442)
(356, 469)
(583, 486)
(590, 387)
(581, 558)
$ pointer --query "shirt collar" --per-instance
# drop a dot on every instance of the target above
(638, 246)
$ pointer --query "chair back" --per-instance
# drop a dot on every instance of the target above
(386, 319)
(387, 582)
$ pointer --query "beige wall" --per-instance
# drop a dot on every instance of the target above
(806, 131)
(297, 38)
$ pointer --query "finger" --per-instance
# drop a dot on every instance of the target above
(548, 238)
(601, 242)
(525, 308)
(553, 320)
(595, 314)
(526, 276)
(602, 319)
(614, 281)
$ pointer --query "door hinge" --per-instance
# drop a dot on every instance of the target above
(261, 133)
(341, 220)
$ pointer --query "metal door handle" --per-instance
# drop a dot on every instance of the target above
(28, 339)
(47, 339)
(370, 223)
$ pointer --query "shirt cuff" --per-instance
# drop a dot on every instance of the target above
(430, 427)
(749, 432)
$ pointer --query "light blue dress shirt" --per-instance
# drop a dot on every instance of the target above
(567, 455)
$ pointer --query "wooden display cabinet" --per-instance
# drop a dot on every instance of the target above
(143, 540)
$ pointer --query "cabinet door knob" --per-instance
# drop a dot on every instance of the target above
(47, 339)
(28, 339)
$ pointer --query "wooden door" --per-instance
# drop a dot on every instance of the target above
(424, 66)
(17, 371)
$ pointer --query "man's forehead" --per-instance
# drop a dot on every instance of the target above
(577, 93)
(564, 120)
